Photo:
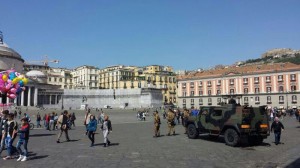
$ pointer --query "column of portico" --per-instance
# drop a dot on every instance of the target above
(35, 101)
(22, 98)
(50, 100)
(29, 94)
(56, 96)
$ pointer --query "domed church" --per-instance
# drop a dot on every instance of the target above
(38, 92)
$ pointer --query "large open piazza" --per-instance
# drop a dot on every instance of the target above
(133, 145)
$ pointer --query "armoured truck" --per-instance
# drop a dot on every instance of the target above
(236, 123)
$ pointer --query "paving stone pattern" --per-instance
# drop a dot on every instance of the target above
(133, 146)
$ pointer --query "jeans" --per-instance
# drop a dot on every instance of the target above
(105, 136)
(8, 143)
(277, 137)
(91, 136)
(61, 132)
(38, 124)
(24, 143)
(2, 144)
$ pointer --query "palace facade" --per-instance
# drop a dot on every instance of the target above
(274, 85)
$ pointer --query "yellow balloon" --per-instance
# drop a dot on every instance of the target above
(16, 80)
(21, 76)
(25, 81)
(5, 78)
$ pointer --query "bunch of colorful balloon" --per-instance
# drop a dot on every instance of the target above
(12, 83)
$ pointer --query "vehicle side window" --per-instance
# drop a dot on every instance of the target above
(204, 112)
(217, 112)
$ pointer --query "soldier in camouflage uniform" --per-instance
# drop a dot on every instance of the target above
(156, 124)
(186, 115)
(171, 122)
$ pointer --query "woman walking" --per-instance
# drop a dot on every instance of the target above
(91, 129)
(106, 128)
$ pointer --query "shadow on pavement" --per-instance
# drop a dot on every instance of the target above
(112, 144)
(211, 138)
(296, 163)
(72, 140)
(41, 135)
(38, 157)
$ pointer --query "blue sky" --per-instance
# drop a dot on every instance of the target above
(184, 34)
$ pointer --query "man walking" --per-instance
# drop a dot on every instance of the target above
(277, 127)
(63, 122)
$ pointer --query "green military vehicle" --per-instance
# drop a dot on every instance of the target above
(235, 123)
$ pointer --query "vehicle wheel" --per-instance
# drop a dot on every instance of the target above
(232, 138)
(192, 131)
(31, 126)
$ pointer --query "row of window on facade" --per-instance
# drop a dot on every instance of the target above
(170, 99)
(246, 100)
(245, 81)
(246, 91)
(59, 79)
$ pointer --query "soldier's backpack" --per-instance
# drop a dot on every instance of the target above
(171, 117)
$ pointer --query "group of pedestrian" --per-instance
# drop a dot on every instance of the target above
(141, 115)
(91, 123)
(9, 131)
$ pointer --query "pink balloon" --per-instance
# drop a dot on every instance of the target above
(12, 96)
(8, 86)
(13, 90)
(17, 85)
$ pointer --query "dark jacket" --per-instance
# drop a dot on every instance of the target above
(24, 132)
(10, 127)
(277, 126)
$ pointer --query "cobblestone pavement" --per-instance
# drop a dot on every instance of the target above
(134, 146)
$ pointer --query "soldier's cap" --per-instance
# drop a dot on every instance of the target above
(24, 119)
(155, 111)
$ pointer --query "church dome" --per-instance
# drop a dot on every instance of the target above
(36, 74)
(9, 58)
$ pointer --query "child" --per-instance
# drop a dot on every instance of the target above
(24, 136)
(91, 128)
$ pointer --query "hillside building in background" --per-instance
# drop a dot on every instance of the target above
(85, 77)
(274, 85)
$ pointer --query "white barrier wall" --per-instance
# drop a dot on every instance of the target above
(116, 98)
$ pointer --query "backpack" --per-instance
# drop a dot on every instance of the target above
(171, 117)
